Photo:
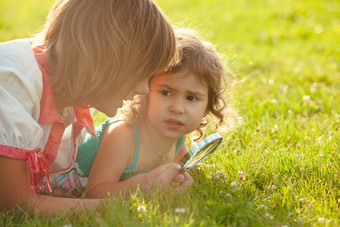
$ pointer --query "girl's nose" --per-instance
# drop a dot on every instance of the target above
(142, 88)
(177, 106)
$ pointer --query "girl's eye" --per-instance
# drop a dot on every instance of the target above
(192, 98)
(166, 93)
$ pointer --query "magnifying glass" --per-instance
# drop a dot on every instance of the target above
(201, 151)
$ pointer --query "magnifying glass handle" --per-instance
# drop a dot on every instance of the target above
(185, 158)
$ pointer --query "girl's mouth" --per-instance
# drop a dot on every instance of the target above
(174, 124)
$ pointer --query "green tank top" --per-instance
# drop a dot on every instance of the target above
(87, 152)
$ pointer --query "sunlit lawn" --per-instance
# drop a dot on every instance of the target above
(281, 166)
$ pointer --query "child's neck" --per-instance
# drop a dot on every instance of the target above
(159, 140)
(158, 146)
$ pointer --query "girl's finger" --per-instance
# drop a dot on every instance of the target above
(179, 178)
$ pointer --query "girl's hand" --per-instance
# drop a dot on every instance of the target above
(188, 180)
(183, 179)
(163, 175)
(169, 174)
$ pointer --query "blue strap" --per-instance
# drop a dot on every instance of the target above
(179, 144)
(88, 150)
(100, 129)
(134, 161)
(136, 155)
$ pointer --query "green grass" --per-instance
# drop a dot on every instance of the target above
(281, 166)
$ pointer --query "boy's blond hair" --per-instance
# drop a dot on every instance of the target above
(201, 59)
(99, 48)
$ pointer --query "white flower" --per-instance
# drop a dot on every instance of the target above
(263, 207)
(233, 184)
(180, 210)
(219, 171)
(313, 87)
(284, 88)
(318, 29)
(271, 217)
(141, 208)
(306, 98)
(241, 176)
(321, 220)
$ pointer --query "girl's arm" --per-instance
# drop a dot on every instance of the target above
(15, 190)
(157, 178)
(114, 155)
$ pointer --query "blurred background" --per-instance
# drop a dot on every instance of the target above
(285, 55)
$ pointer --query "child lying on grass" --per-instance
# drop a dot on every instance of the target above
(154, 126)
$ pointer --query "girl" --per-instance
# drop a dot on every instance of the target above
(90, 54)
(155, 126)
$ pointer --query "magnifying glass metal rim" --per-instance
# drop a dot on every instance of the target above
(200, 145)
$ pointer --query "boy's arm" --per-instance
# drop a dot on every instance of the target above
(15, 190)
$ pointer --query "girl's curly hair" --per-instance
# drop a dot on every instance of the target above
(201, 59)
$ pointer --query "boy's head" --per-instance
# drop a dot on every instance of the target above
(98, 49)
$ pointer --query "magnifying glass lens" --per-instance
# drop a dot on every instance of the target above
(201, 151)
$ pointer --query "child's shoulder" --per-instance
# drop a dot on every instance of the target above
(121, 130)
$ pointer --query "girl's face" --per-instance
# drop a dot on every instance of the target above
(177, 103)
(110, 106)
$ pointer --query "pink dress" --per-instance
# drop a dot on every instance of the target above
(31, 127)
